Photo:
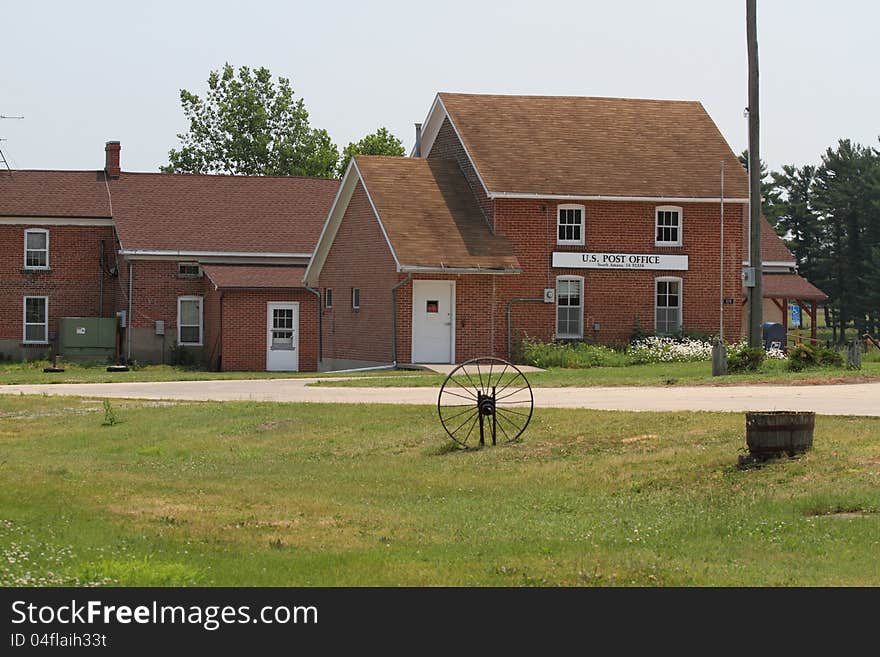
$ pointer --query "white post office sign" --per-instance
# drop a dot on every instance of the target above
(619, 260)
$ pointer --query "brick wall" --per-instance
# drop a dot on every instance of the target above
(359, 258)
(73, 284)
(240, 345)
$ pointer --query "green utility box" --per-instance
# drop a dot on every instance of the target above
(87, 338)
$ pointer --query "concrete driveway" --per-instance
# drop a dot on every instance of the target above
(844, 399)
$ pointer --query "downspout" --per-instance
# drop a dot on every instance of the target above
(509, 304)
(129, 319)
(394, 289)
(320, 324)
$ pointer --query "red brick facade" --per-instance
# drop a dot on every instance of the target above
(614, 300)
(359, 258)
(75, 283)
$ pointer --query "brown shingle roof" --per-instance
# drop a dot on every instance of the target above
(773, 247)
(53, 194)
(253, 277)
(180, 212)
(791, 286)
(431, 215)
(595, 146)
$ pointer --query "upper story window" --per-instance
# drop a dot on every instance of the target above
(36, 248)
(668, 226)
(189, 321)
(570, 224)
(189, 270)
(355, 298)
(328, 297)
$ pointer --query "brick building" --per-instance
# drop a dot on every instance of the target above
(196, 267)
(552, 217)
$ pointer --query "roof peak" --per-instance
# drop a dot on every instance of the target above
(565, 97)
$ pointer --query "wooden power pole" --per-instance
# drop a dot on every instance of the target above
(756, 300)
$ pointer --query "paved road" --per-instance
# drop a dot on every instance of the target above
(844, 399)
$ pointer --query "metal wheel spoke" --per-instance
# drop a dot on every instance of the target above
(518, 428)
(467, 390)
(510, 410)
(467, 437)
(509, 383)
(466, 409)
(471, 399)
(466, 420)
(489, 380)
(510, 394)
(480, 375)
(464, 369)
(506, 435)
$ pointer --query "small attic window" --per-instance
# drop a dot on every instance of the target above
(189, 270)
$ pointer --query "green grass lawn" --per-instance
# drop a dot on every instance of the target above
(281, 494)
(32, 372)
(655, 374)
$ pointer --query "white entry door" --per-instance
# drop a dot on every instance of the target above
(433, 322)
(282, 337)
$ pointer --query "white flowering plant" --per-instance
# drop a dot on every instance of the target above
(657, 349)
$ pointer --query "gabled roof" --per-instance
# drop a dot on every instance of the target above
(234, 214)
(29, 193)
(590, 147)
(428, 214)
(253, 277)
(790, 286)
(174, 213)
(773, 248)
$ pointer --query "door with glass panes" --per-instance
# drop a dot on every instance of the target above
(282, 337)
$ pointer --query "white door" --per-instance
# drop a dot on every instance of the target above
(433, 322)
(282, 337)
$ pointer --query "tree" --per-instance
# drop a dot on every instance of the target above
(248, 124)
(846, 196)
(796, 219)
(380, 142)
(769, 194)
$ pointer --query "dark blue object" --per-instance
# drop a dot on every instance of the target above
(774, 335)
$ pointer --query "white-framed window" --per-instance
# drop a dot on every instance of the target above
(189, 270)
(36, 248)
(667, 225)
(328, 297)
(667, 304)
(570, 307)
(355, 298)
(189, 321)
(570, 224)
(36, 320)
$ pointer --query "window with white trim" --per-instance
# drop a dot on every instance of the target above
(189, 321)
(36, 320)
(570, 307)
(189, 270)
(570, 224)
(328, 297)
(355, 298)
(36, 248)
(667, 222)
(667, 305)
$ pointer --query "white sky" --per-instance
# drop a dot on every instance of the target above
(86, 72)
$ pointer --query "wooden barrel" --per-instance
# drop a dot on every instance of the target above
(777, 432)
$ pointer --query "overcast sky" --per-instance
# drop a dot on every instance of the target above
(85, 72)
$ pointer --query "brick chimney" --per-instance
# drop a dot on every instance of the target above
(111, 159)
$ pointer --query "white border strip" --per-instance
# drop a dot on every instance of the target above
(55, 221)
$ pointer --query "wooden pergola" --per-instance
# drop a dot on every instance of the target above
(783, 288)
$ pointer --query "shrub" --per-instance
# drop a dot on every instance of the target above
(829, 356)
(181, 356)
(745, 359)
(656, 349)
(800, 357)
(569, 354)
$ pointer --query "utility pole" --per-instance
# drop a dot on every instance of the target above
(756, 300)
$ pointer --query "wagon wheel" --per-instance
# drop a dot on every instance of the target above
(485, 399)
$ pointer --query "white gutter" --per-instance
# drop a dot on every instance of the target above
(652, 199)
(209, 254)
(774, 263)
